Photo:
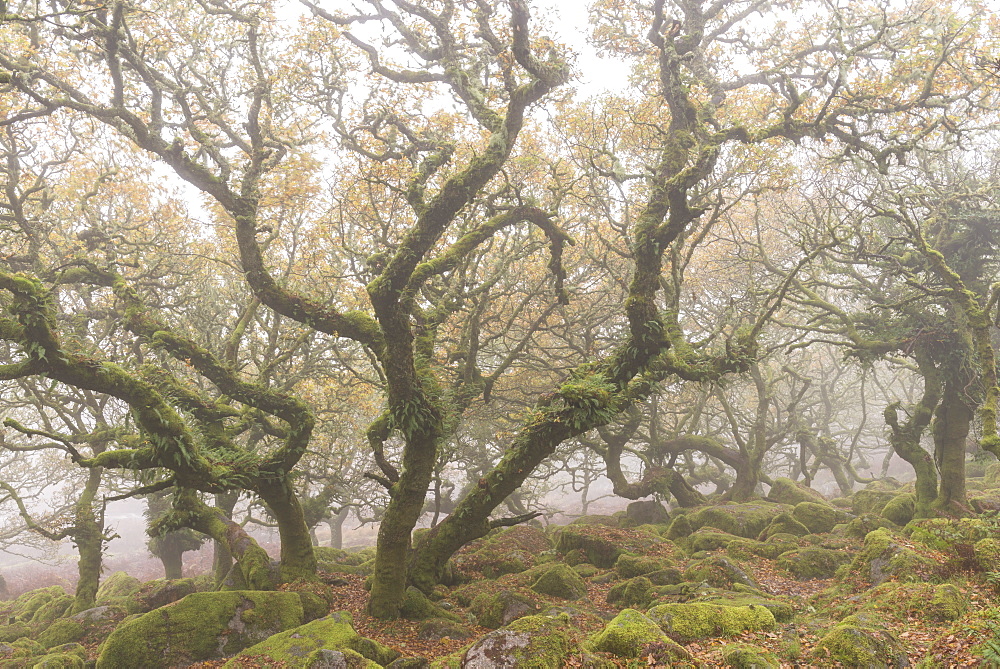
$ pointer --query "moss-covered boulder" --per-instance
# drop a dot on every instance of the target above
(923, 601)
(24, 608)
(786, 491)
(783, 523)
(435, 629)
(782, 611)
(745, 549)
(52, 609)
(900, 509)
(635, 592)
(669, 576)
(688, 622)
(857, 642)
(646, 513)
(295, 647)
(810, 563)
(532, 642)
(600, 547)
(861, 525)
(883, 558)
(61, 660)
(819, 518)
(631, 634)
(14, 631)
(743, 520)
(560, 581)
(871, 500)
(708, 539)
(629, 566)
(202, 626)
(416, 606)
(160, 592)
(118, 584)
(495, 610)
(63, 631)
(719, 572)
(987, 552)
(679, 528)
(509, 551)
(748, 656)
(947, 603)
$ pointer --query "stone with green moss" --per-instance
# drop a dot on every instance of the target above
(987, 552)
(746, 520)
(14, 631)
(495, 610)
(947, 603)
(669, 576)
(811, 563)
(532, 642)
(26, 648)
(416, 606)
(784, 523)
(646, 513)
(63, 631)
(946, 533)
(688, 622)
(781, 611)
(679, 528)
(860, 526)
(870, 501)
(882, 558)
(786, 491)
(118, 584)
(819, 518)
(635, 592)
(923, 601)
(58, 661)
(859, 643)
(900, 509)
(202, 626)
(718, 572)
(560, 581)
(24, 608)
(585, 570)
(601, 548)
(745, 549)
(748, 656)
(632, 634)
(334, 632)
(51, 610)
(629, 566)
(708, 539)
(160, 592)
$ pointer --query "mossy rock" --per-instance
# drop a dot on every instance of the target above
(689, 622)
(295, 647)
(811, 563)
(782, 612)
(586, 570)
(783, 523)
(160, 592)
(436, 629)
(632, 634)
(509, 551)
(66, 656)
(946, 533)
(416, 606)
(708, 539)
(743, 520)
(635, 592)
(62, 632)
(55, 608)
(118, 584)
(202, 626)
(743, 549)
(668, 576)
(679, 528)
(786, 491)
(858, 643)
(629, 566)
(925, 601)
(532, 642)
(646, 513)
(560, 581)
(26, 648)
(747, 656)
(883, 558)
(607, 521)
(15, 631)
(871, 500)
(24, 608)
(719, 572)
(600, 547)
(495, 610)
(900, 508)
(861, 525)
(987, 552)
(819, 518)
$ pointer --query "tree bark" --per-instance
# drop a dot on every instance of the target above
(298, 561)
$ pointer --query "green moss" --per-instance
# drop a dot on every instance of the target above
(24, 608)
(746, 656)
(497, 609)
(334, 632)
(819, 518)
(900, 509)
(679, 528)
(58, 660)
(629, 566)
(633, 592)
(987, 552)
(52, 609)
(416, 606)
(560, 581)
(118, 584)
(630, 634)
(782, 612)
(786, 491)
(948, 603)
(810, 563)
(783, 523)
(585, 570)
(883, 558)
(532, 642)
(870, 500)
(62, 632)
(708, 539)
(14, 631)
(600, 547)
(860, 645)
(743, 520)
(202, 626)
(865, 523)
(743, 549)
(687, 622)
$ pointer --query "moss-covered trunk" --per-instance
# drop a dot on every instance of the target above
(89, 537)
(222, 559)
(337, 528)
(952, 421)
(171, 555)
(298, 561)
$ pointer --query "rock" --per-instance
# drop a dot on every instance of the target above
(600, 547)
(670, 576)
(882, 558)
(747, 656)
(416, 606)
(202, 626)
(585, 570)
(629, 566)
(819, 518)
(633, 592)
(784, 523)
(719, 572)
(647, 513)
(54, 608)
(923, 601)
(118, 584)
(708, 539)
(160, 592)
(786, 491)
(810, 563)
(947, 603)
(782, 612)
(688, 622)
(631, 635)
(870, 500)
(98, 614)
(856, 642)
(987, 552)
(746, 520)
(62, 632)
(533, 641)
(865, 523)
(679, 528)
(332, 634)
(744, 549)
(496, 610)
(435, 629)
(900, 509)
(510, 551)
(24, 608)
(560, 581)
